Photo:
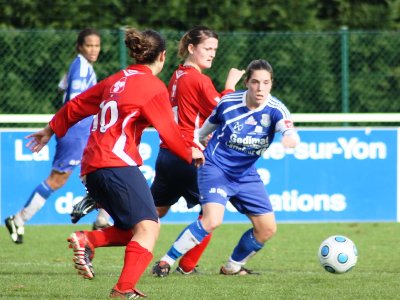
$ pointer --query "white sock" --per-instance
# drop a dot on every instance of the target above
(183, 244)
(25, 214)
(102, 218)
(168, 259)
(233, 266)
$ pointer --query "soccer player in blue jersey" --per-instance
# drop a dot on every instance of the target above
(69, 148)
(244, 124)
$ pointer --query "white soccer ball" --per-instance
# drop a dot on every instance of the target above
(337, 254)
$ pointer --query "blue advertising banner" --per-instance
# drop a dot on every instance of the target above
(335, 174)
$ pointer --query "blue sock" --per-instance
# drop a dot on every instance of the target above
(34, 204)
(44, 191)
(247, 247)
(187, 240)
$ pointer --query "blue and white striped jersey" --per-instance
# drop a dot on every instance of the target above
(242, 135)
(79, 78)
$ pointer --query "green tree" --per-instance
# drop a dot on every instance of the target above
(222, 15)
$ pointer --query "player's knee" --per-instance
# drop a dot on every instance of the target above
(57, 180)
(265, 234)
(56, 184)
(270, 232)
(210, 225)
(273, 230)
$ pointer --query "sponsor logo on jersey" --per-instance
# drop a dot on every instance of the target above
(258, 129)
(265, 120)
(248, 144)
(237, 127)
(131, 72)
(219, 191)
(119, 86)
(74, 162)
(251, 121)
(248, 140)
(179, 73)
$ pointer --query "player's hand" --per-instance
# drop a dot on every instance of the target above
(289, 141)
(205, 142)
(233, 78)
(39, 139)
(198, 157)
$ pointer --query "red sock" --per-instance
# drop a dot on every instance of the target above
(136, 261)
(189, 261)
(110, 236)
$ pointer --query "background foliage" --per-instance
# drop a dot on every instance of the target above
(222, 15)
(318, 66)
(310, 73)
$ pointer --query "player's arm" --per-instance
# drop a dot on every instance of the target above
(57, 100)
(211, 96)
(290, 137)
(205, 131)
(232, 79)
(78, 108)
(158, 112)
(210, 125)
(39, 139)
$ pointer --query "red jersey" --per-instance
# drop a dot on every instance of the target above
(124, 104)
(193, 97)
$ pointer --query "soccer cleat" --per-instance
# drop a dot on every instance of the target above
(133, 294)
(82, 208)
(161, 269)
(192, 272)
(83, 254)
(96, 227)
(16, 232)
(242, 271)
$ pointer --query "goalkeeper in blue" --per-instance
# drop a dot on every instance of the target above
(244, 124)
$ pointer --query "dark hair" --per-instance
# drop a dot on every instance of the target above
(144, 46)
(194, 36)
(258, 64)
(82, 35)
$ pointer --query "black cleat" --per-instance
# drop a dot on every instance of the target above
(82, 208)
(16, 232)
(161, 269)
(192, 272)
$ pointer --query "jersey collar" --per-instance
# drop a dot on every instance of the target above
(141, 68)
(258, 108)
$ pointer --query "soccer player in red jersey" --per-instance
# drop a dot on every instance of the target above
(124, 104)
(193, 97)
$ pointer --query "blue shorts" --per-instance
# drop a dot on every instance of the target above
(68, 153)
(175, 178)
(247, 193)
(124, 193)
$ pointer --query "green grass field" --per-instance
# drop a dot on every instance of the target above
(41, 268)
